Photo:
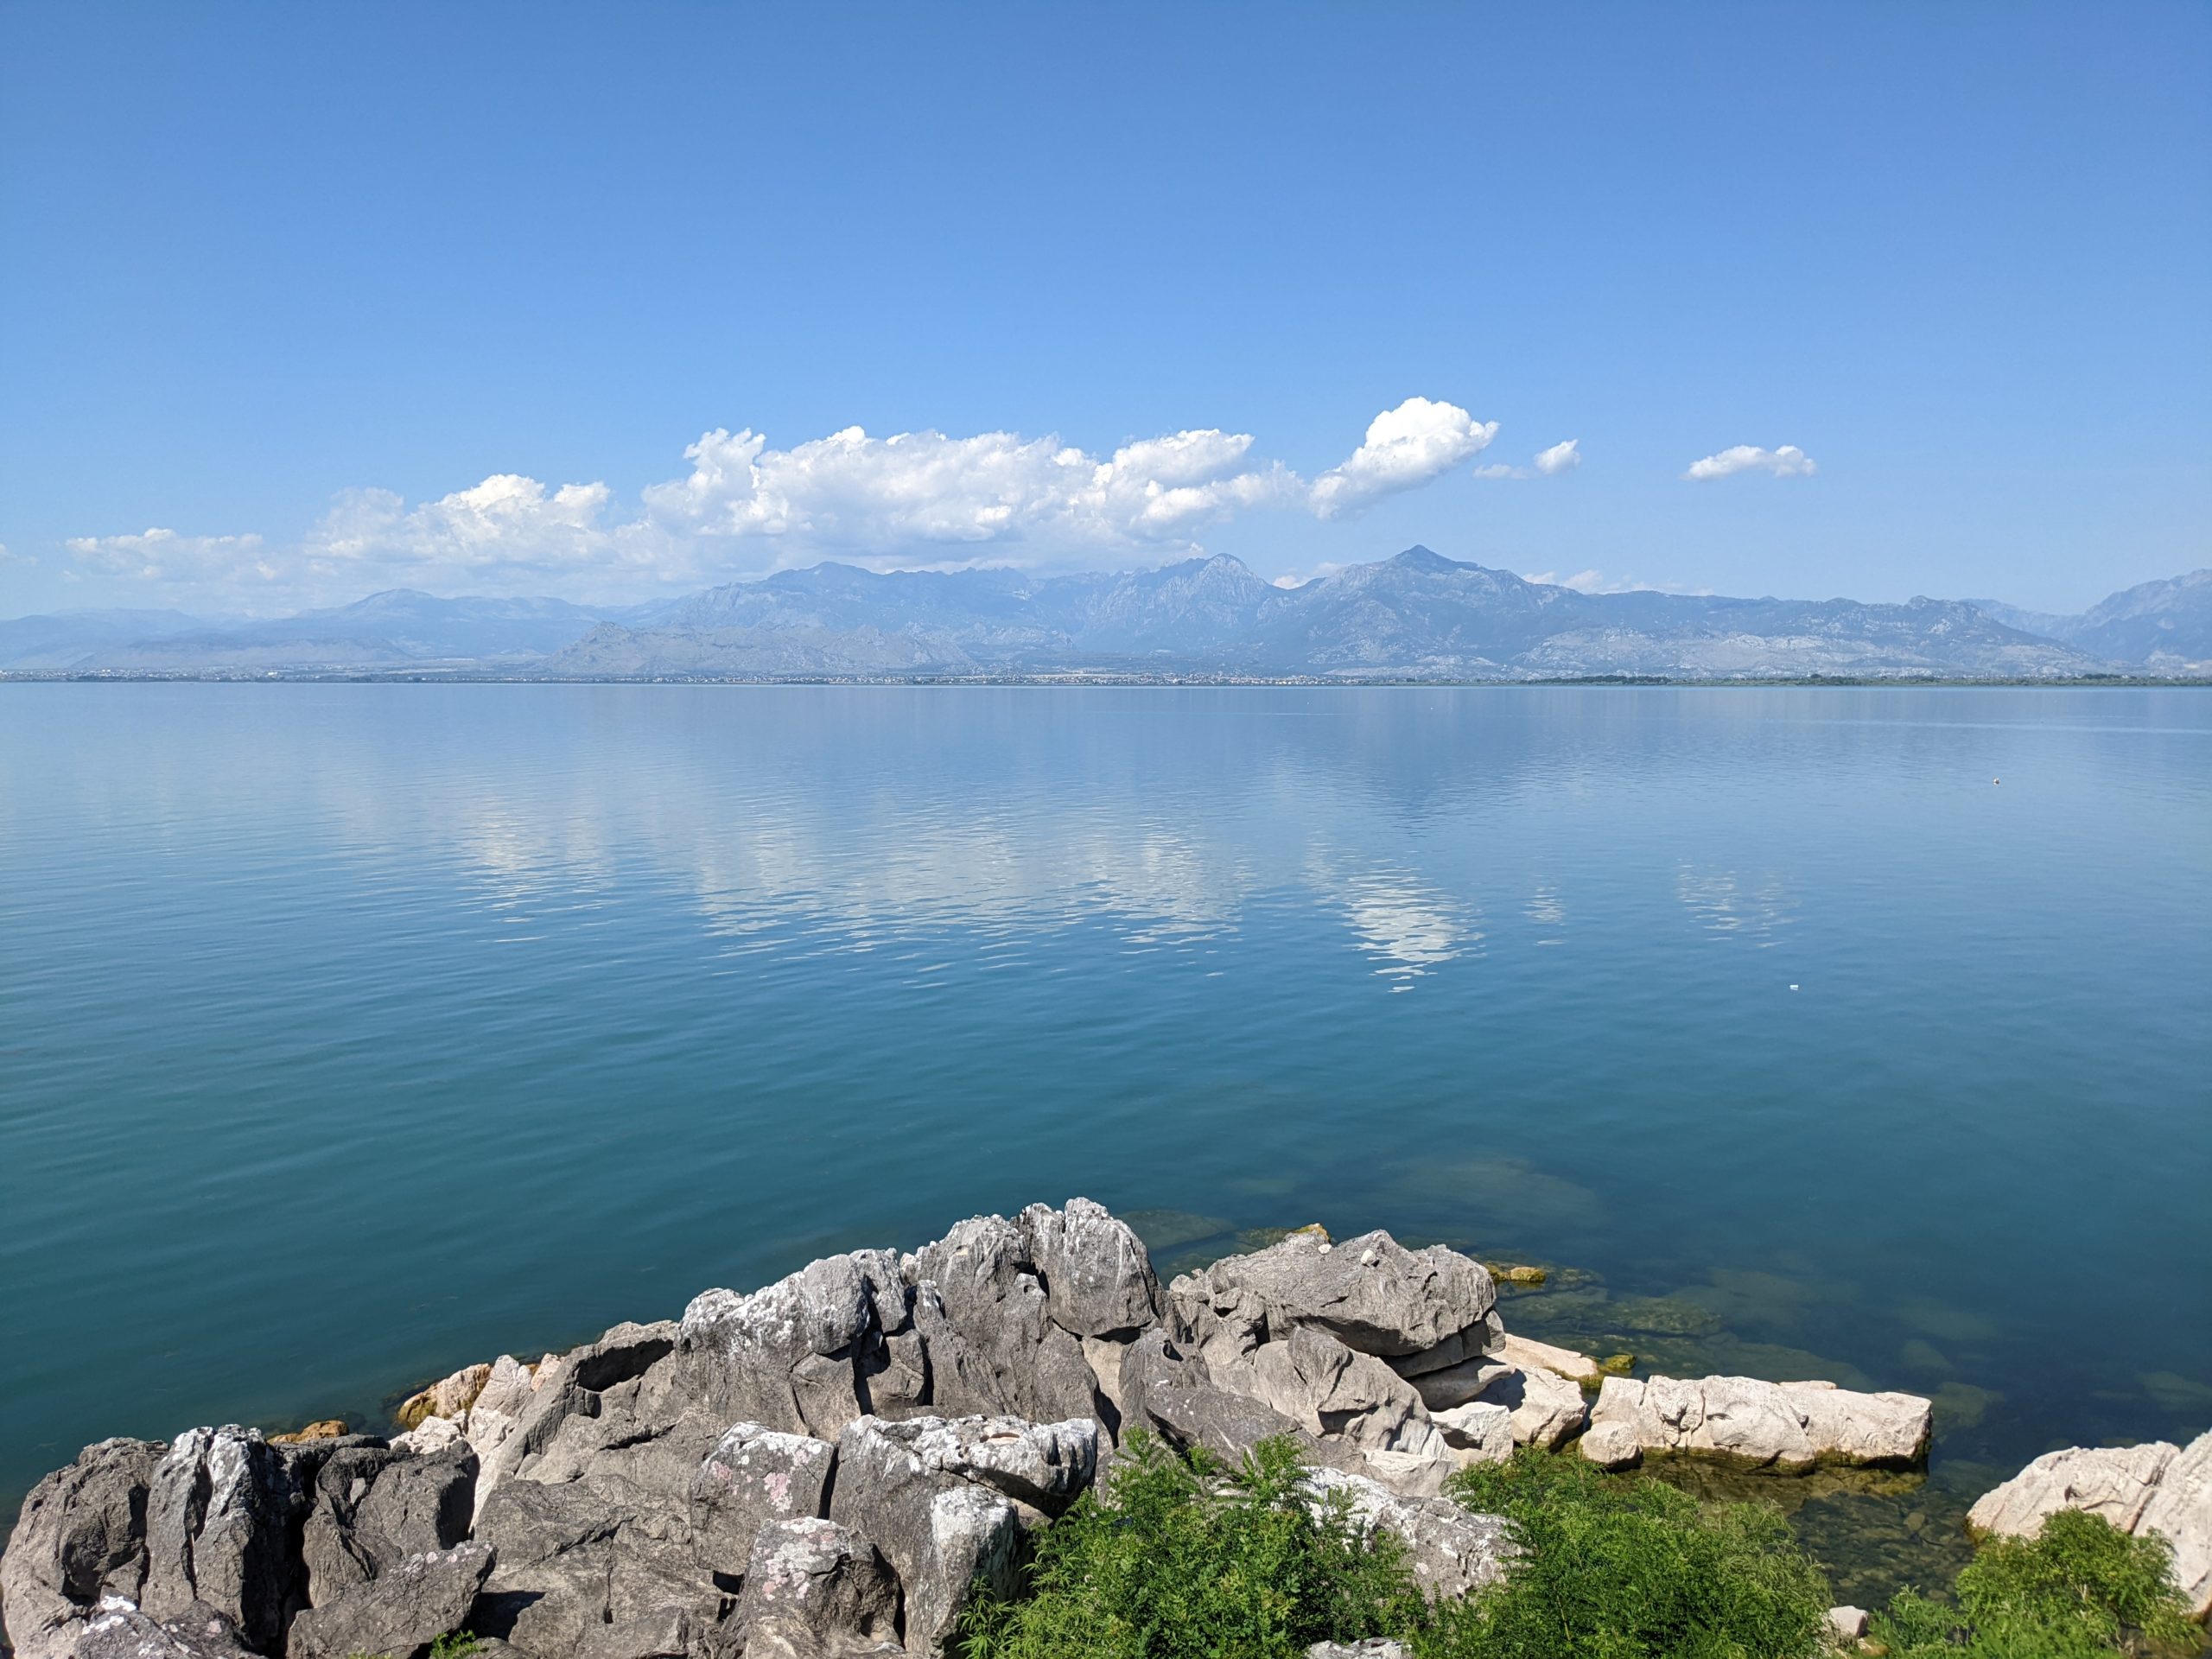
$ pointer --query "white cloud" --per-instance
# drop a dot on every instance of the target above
(6, 557)
(1560, 458)
(908, 500)
(853, 494)
(1407, 447)
(162, 555)
(1548, 463)
(1597, 581)
(1788, 462)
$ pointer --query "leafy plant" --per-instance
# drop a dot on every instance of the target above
(1186, 1557)
(2080, 1587)
(1622, 1568)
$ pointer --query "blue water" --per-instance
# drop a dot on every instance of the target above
(349, 1033)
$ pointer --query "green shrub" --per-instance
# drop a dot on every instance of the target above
(1185, 1558)
(2080, 1587)
(1624, 1568)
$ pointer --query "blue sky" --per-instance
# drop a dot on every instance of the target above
(288, 285)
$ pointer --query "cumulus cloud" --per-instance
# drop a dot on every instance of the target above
(1418, 441)
(1788, 462)
(911, 499)
(859, 494)
(6, 557)
(162, 555)
(1548, 463)
(1560, 458)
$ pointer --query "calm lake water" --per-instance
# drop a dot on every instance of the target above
(350, 1034)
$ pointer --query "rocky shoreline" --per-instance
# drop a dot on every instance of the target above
(827, 1465)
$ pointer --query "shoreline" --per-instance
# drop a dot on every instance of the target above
(1391, 1367)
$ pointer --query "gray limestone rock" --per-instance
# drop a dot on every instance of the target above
(118, 1631)
(1452, 1551)
(1316, 1381)
(374, 1506)
(1097, 1275)
(753, 1477)
(907, 1488)
(815, 1590)
(398, 1614)
(1370, 1293)
(79, 1539)
(799, 1355)
(596, 1569)
(221, 1514)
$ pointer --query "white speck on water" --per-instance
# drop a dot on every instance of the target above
(1792, 987)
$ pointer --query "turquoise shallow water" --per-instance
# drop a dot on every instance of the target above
(348, 1034)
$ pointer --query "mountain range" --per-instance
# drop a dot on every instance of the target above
(1416, 616)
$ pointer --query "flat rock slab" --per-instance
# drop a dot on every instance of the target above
(1742, 1420)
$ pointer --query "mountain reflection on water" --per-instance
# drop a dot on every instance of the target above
(348, 1034)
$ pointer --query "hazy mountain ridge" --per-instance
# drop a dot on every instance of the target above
(1418, 615)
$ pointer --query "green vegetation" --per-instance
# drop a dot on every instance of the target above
(2080, 1588)
(460, 1645)
(1185, 1557)
(1619, 1569)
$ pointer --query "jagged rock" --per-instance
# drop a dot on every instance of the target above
(2181, 1510)
(1482, 1427)
(375, 1505)
(1170, 1394)
(1370, 1293)
(1223, 1325)
(1787, 1426)
(221, 1511)
(816, 1590)
(622, 1407)
(117, 1629)
(929, 1495)
(1612, 1445)
(753, 1477)
(594, 1566)
(2156, 1487)
(1372, 1647)
(1450, 1550)
(1525, 1353)
(984, 1319)
(500, 1406)
(809, 1353)
(1044, 1465)
(1097, 1275)
(1546, 1407)
(1326, 1389)
(79, 1539)
(398, 1614)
